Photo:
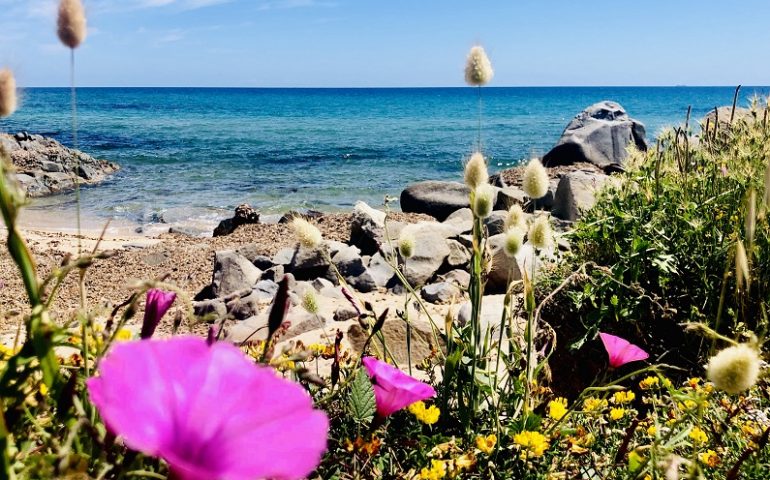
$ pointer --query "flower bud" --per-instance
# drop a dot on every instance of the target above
(406, 244)
(157, 304)
(540, 234)
(478, 68)
(516, 218)
(484, 201)
(310, 301)
(476, 172)
(71, 24)
(535, 181)
(513, 240)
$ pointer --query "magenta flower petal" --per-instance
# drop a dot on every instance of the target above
(393, 389)
(208, 411)
(621, 351)
(157, 304)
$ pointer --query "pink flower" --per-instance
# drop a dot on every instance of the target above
(621, 351)
(393, 389)
(157, 304)
(208, 411)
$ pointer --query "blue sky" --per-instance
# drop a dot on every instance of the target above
(362, 43)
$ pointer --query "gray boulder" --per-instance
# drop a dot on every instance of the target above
(242, 308)
(345, 313)
(348, 261)
(491, 315)
(495, 222)
(461, 220)
(438, 199)
(382, 273)
(214, 308)
(232, 272)
(309, 264)
(430, 251)
(461, 278)
(600, 134)
(266, 289)
(577, 193)
(441, 293)
(367, 228)
(507, 269)
(510, 196)
(459, 256)
(422, 341)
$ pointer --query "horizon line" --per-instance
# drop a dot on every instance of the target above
(273, 87)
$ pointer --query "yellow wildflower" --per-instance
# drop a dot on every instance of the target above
(649, 383)
(593, 404)
(693, 383)
(751, 429)
(123, 335)
(698, 436)
(623, 397)
(652, 430)
(666, 382)
(557, 408)
(617, 413)
(463, 463)
(426, 415)
(687, 405)
(534, 444)
(6, 352)
(436, 471)
(710, 458)
(43, 389)
(372, 447)
(486, 444)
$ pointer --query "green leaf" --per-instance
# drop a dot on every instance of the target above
(362, 402)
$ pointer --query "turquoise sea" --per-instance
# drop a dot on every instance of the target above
(192, 155)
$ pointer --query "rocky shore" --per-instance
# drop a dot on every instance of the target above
(234, 275)
(46, 167)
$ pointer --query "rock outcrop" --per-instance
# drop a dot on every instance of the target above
(46, 167)
(600, 135)
(244, 215)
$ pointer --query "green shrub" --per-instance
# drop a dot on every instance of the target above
(660, 246)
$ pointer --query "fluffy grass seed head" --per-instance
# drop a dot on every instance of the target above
(476, 173)
(307, 234)
(514, 238)
(484, 200)
(478, 68)
(734, 369)
(516, 218)
(540, 234)
(742, 274)
(8, 101)
(406, 243)
(310, 301)
(535, 181)
(71, 24)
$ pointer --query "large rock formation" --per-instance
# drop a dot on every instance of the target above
(600, 135)
(46, 167)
